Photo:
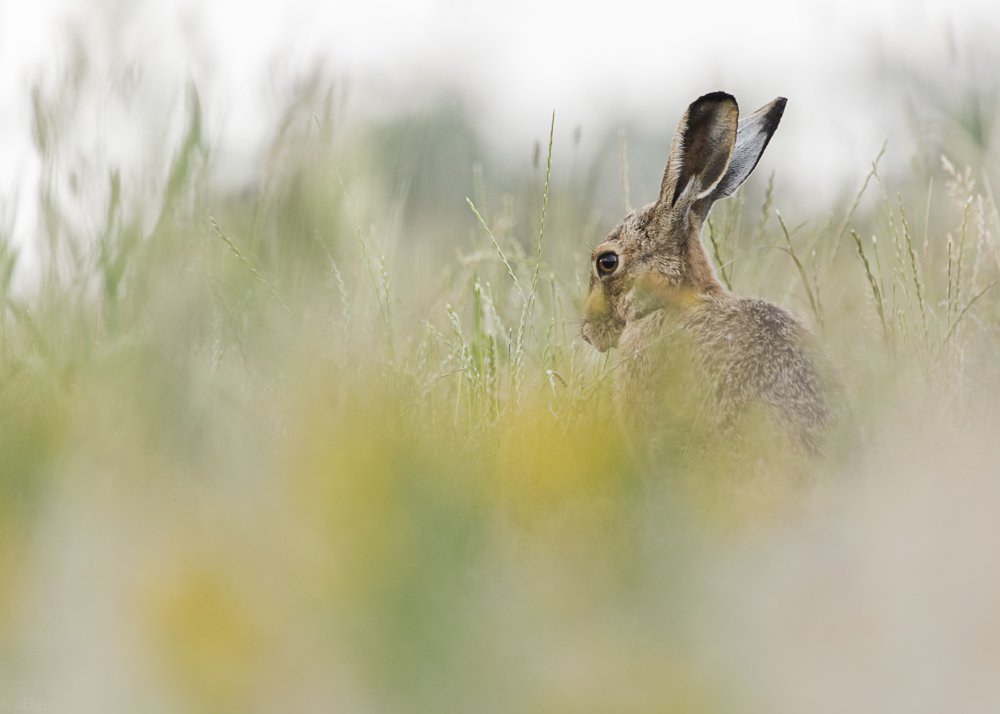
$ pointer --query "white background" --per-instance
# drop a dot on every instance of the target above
(515, 61)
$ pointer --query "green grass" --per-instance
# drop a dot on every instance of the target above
(318, 444)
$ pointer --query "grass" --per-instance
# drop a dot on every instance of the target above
(265, 449)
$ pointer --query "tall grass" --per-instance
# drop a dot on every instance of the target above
(291, 447)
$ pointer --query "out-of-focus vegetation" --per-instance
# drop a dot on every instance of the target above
(332, 442)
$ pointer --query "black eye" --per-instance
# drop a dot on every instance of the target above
(606, 263)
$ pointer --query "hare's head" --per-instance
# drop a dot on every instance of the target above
(655, 256)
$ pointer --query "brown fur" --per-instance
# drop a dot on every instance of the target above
(685, 343)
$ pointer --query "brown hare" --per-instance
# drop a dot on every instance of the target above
(684, 342)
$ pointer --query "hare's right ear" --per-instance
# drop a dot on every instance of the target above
(700, 151)
(752, 136)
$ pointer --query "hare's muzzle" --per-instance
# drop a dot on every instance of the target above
(598, 338)
(596, 317)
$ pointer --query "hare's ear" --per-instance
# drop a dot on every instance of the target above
(752, 136)
(699, 154)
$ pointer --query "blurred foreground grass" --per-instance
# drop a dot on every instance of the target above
(319, 446)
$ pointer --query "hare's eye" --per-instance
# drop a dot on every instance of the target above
(606, 263)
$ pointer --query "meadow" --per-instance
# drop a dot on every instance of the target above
(332, 442)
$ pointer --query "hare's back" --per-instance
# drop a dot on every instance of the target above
(754, 351)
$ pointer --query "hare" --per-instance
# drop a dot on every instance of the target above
(684, 341)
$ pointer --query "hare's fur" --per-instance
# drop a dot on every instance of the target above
(684, 341)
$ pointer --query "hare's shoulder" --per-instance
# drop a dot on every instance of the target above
(744, 323)
(719, 325)
(755, 347)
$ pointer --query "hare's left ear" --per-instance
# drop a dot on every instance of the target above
(752, 136)
(699, 154)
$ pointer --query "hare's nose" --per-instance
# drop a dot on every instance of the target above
(583, 334)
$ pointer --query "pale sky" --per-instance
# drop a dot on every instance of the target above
(516, 61)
